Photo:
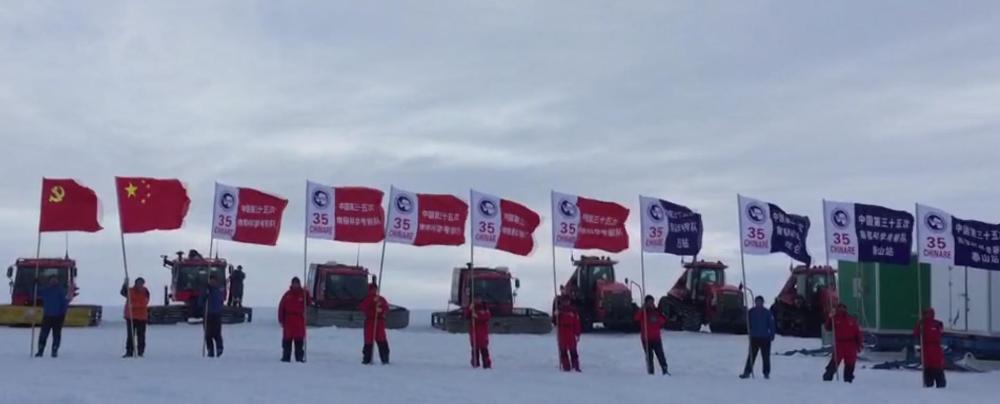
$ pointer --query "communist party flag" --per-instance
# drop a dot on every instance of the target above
(146, 204)
(68, 206)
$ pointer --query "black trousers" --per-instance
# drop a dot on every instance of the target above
(136, 329)
(934, 378)
(831, 370)
(481, 356)
(383, 353)
(53, 324)
(763, 346)
(286, 350)
(655, 348)
(213, 334)
(569, 359)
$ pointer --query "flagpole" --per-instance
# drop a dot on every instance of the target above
(555, 285)
(472, 282)
(129, 324)
(920, 290)
(642, 281)
(34, 296)
(305, 272)
(833, 326)
(743, 271)
(381, 266)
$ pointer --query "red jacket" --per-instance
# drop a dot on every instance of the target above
(929, 330)
(655, 320)
(291, 313)
(569, 327)
(849, 340)
(374, 307)
(481, 338)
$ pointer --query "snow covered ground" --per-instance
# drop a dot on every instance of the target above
(432, 366)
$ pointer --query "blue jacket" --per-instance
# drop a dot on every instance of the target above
(214, 297)
(761, 323)
(54, 300)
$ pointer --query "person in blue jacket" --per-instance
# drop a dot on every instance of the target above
(212, 299)
(55, 302)
(761, 334)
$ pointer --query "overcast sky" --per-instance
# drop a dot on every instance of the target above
(888, 103)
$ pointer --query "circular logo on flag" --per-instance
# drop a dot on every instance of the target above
(488, 208)
(567, 208)
(935, 222)
(656, 212)
(227, 201)
(840, 218)
(321, 198)
(756, 213)
(404, 204)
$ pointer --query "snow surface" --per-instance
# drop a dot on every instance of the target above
(432, 366)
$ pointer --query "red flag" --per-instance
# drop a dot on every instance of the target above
(146, 204)
(247, 215)
(503, 224)
(351, 214)
(68, 206)
(585, 223)
(426, 219)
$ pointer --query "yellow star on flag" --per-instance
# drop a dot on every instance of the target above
(130, 189)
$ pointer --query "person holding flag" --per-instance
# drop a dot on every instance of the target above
(136, 317)
(55, 302)
(568, 329)
(762, 330)
(847, 345)
(652, 321)
(292, 317)
(375, 307)
(479, 334)
(928, 332)
(212, 300)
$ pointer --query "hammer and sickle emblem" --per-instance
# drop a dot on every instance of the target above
(56, 194)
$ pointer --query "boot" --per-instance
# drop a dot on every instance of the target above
(41, 351)
(475, 358)
(383, 352)
(366, 354)
(576, 361)
(218, 352)
(55, 352)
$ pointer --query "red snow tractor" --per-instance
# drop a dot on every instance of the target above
(24, 305)
(805, 301)
(493, 289)
(337, 290)
(188, 279)
(596, 296)
(701, 296)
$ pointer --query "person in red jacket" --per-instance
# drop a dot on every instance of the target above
(479, 333)
(651, 321)
(928, 332)
(291, 316)
(374, 307)
(568, 334)
(847, 345)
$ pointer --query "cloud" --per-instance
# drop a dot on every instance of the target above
(886, 103)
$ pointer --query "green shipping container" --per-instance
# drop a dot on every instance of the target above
(884, 297)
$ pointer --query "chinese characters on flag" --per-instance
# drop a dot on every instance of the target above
(247, 215)
(503, 224)
(350, 214)
(426, 219)
(585, 223)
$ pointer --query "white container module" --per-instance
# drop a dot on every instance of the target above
(962, 299)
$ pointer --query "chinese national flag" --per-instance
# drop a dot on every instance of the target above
(68, 206)
(146, 204)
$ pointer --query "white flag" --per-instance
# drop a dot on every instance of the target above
(936, 242)
(841, 235)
